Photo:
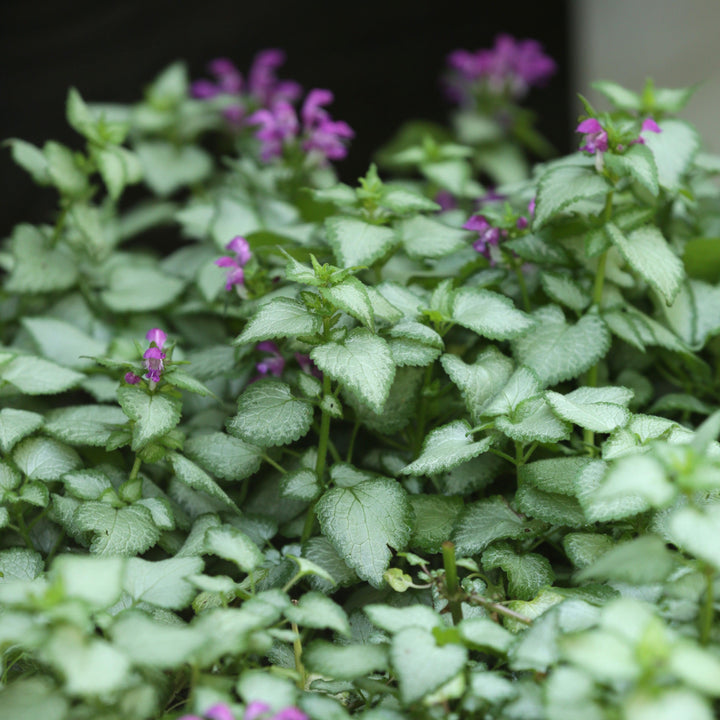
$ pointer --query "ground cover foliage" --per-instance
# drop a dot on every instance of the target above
(439, 444)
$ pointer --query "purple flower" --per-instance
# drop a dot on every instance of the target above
(275, 363)
(277, 126)
(236, 276)
(234, 114)
(157, 336)
(259, 710)
(323, 135)
(154, 357)
(648, 125)
(228, 77)
(487, 234)
(307, 365)
(446, 200)
(531, 207)
(511, 66)
(204, 89)
(263, 83)
(522, 223)
(595, 138)
(216, 712)
(131, 378)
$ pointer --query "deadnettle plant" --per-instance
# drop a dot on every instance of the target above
(449, 448)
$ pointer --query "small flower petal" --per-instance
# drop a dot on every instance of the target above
(650, 125)
(240, 246)
(157, 336)
(219, 712)
(590, 125)
(255, 709)
(131, 378)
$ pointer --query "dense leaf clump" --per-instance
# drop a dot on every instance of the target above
(362, 450)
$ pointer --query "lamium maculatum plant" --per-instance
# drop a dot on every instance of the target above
(441, 443)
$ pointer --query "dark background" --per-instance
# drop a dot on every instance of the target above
(381, 59)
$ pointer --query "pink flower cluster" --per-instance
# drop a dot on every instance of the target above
(255, 710)
(595, 137)
(262, 89)
(318, 133)
(236, 275)
(153, 357)
(511, 67)
(274, 363)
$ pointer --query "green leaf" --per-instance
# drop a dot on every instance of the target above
(604, 656)
(557, 351)
(533, 421)
(696, 666)
(591, 408)
(618, 95)
(356, 242)
(584, 549)
(394, 619)
(315, 610)
(424, 237)
(300, 485)
(435, 517)
(152, 644)
(637, 481)
(480, 381)
(39, 268)
(484, 522)
(183, 381)
(86, 484)
(63, 169)
(637, 162)
(140, 289)
(35, 376)
(226, 457)
(351, 296)
(483, 633)
(649, 255)
(64, 343)
(44, 459)
(554, 475)
(636, 328)
(640, 561)
(362, 521)
(421, 665)
(599, 509)
(84, 424)
(345, 662)
(232, 544)
(154, 415)
(319, 550)
(696, 531)
(526, 573)
(669, 704)
(33, 698)
(20, 564)
(489, 314)
(400, 200)
(269, 415)
(167, 167)
(15, 425)
(560, 187)
(89, 667)
(123, 531)
(94, 580)
(445, 448)
(195, 477)
(362, 363)
(279, 318)
(453, 175)
(118, 167)
(694, 314)
(701, 256)
(674, 149)
(564, 290)
(163, 583)
(549, 507)
(521, 385)
(29, 158)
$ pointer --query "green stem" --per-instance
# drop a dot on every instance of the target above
(707, 610)
(351, 446)
(297, 650)
(451, 582)
(135, 469)
(23, 530)
(321, 460)
(523, 286)
(420, 434)
(496, 607)
(270, 461)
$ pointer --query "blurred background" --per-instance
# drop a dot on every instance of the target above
(383, 60)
